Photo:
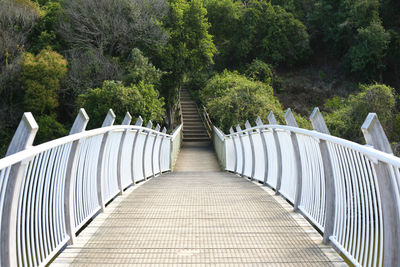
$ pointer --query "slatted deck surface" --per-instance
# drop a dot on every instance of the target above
(200, 218)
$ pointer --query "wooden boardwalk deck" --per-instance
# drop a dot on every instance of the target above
(198, 215)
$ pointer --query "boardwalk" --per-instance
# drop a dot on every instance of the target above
(198, 215)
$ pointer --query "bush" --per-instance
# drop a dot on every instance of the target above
(139, 99)
(349, 114)
(232, 99)
(40, 80)
(259, 71)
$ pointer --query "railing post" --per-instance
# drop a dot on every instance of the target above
(264, 142)
(79, 125)
(231, 131)
(238, 129)
(291, 121)
(23, 139)
(127, 121)
(158, 128)
(253, 152)
(139, 122)
(272, 120)
(388, 190)
(318, 122)
(108, 121)
(164, 131)
(149, 126)
(319, 125)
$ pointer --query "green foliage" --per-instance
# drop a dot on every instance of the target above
(40, 80)
(367, 55)
(349, 114)
(232, 99)
(259, 71)
(44, 33)
(49, 129)
(140, 99)
(190, 48)
(139, 68)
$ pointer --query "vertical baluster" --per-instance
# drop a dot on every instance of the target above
(253, 152)
(388, 190)
(139, 122)
(108, 121)
(127, 121)
(318, 122)
(264, 142)
(157, 129)
(149, 126)
(238, 129)
(231, 131)
(164, 131)
(291, 121)
(23, 139)
(79, 125)
(272, 120)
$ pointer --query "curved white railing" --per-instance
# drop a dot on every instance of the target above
(48, 192)
(350, 192)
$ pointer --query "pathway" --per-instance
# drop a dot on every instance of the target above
(198, 215)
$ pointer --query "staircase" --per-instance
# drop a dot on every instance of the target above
(193, 126)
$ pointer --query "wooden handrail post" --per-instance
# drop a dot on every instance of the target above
(79, 125)
(108, 121)
(23, 139)
(388, 190)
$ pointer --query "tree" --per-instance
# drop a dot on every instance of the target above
(114, 27)
(140, 99)
(190, 48)
(366, 57)
(41, 75)
(231, 99)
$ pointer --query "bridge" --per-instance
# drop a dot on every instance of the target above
(268, 194)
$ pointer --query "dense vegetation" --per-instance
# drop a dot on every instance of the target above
(241, 58)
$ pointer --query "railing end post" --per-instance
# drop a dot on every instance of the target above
(24, 135)
(289, 118)
(110, 118)
(318, 122)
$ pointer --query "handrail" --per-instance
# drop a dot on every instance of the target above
(349, 192)
(207, 121)
(49, 191)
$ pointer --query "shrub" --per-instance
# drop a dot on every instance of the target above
(232, 99)
(259, 71)
(49, 129)
(139, 99)
(345, 121)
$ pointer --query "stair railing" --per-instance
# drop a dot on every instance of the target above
(50, 191)
(350, 192)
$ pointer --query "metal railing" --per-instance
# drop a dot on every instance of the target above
(48, 192)
(350, 192)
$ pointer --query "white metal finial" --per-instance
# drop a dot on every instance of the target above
(374, 134)
(289, 118)
(272, 119)
(80, 122)
(259, 121)
(24, 135)
(149, 125)
(318, 122)
(127, 119)
(110, 118)
(139, 121)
